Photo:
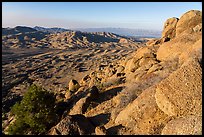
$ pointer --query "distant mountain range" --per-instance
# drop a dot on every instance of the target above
(22, 36)
(119, 31)
(16, 30)
(51, 30)
(125, 31)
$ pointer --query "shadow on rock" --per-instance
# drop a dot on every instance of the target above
(108, 94)
(114, 130)
(100, 119)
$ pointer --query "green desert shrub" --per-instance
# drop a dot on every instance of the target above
(35, 114)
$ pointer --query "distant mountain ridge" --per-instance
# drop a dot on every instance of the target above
(119, 31)
(53, 38)
(124, 31)
(51, 30)
(16, 30)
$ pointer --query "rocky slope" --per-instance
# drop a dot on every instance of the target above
(154, 90)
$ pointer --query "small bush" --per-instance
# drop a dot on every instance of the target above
(35, 114)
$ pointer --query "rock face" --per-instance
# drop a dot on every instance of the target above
(73, 125)
(169, 30)
(188, 31)
(174, 48)
(143, 115)
(190, 125)
(181, 93)
(188, 21)
(195, 51)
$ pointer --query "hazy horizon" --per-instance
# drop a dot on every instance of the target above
(75, 15)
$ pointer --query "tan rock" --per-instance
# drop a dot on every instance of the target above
(154, 68)
(153, 42)
(198, 28)
(68, 95)
(81, 106)
(188, 21)
(193, 52)
(147, 61)
(85, 79)
(110, 72)
(94, 82)
(144, 51)
(131, 65)
(73, 125)
(143, 115)
(169, 30)
(114, 80)
(180, 94)
(190, 125)
(174, 48)
(123, 40)
(73, 85)
(120, 69)
(100, 130)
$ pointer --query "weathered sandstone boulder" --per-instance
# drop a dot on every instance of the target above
(188, 31)
(174, 48)
(143, 115)
(169, 30)
(188, 21)
(190, 125)
(180, 94)
(195, 51)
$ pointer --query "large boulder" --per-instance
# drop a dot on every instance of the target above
(143, 115)
(140, 57)
(180, 94)
(174, 48)
(188, 31)
(190, 125)
(169, 30)
(73, 125)
(188, 21)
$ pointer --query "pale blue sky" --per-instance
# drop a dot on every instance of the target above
(136, 15)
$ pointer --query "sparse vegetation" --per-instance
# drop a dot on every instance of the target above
(35, 113)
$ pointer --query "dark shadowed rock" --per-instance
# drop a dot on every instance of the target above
(81, 106)
(73, 125)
